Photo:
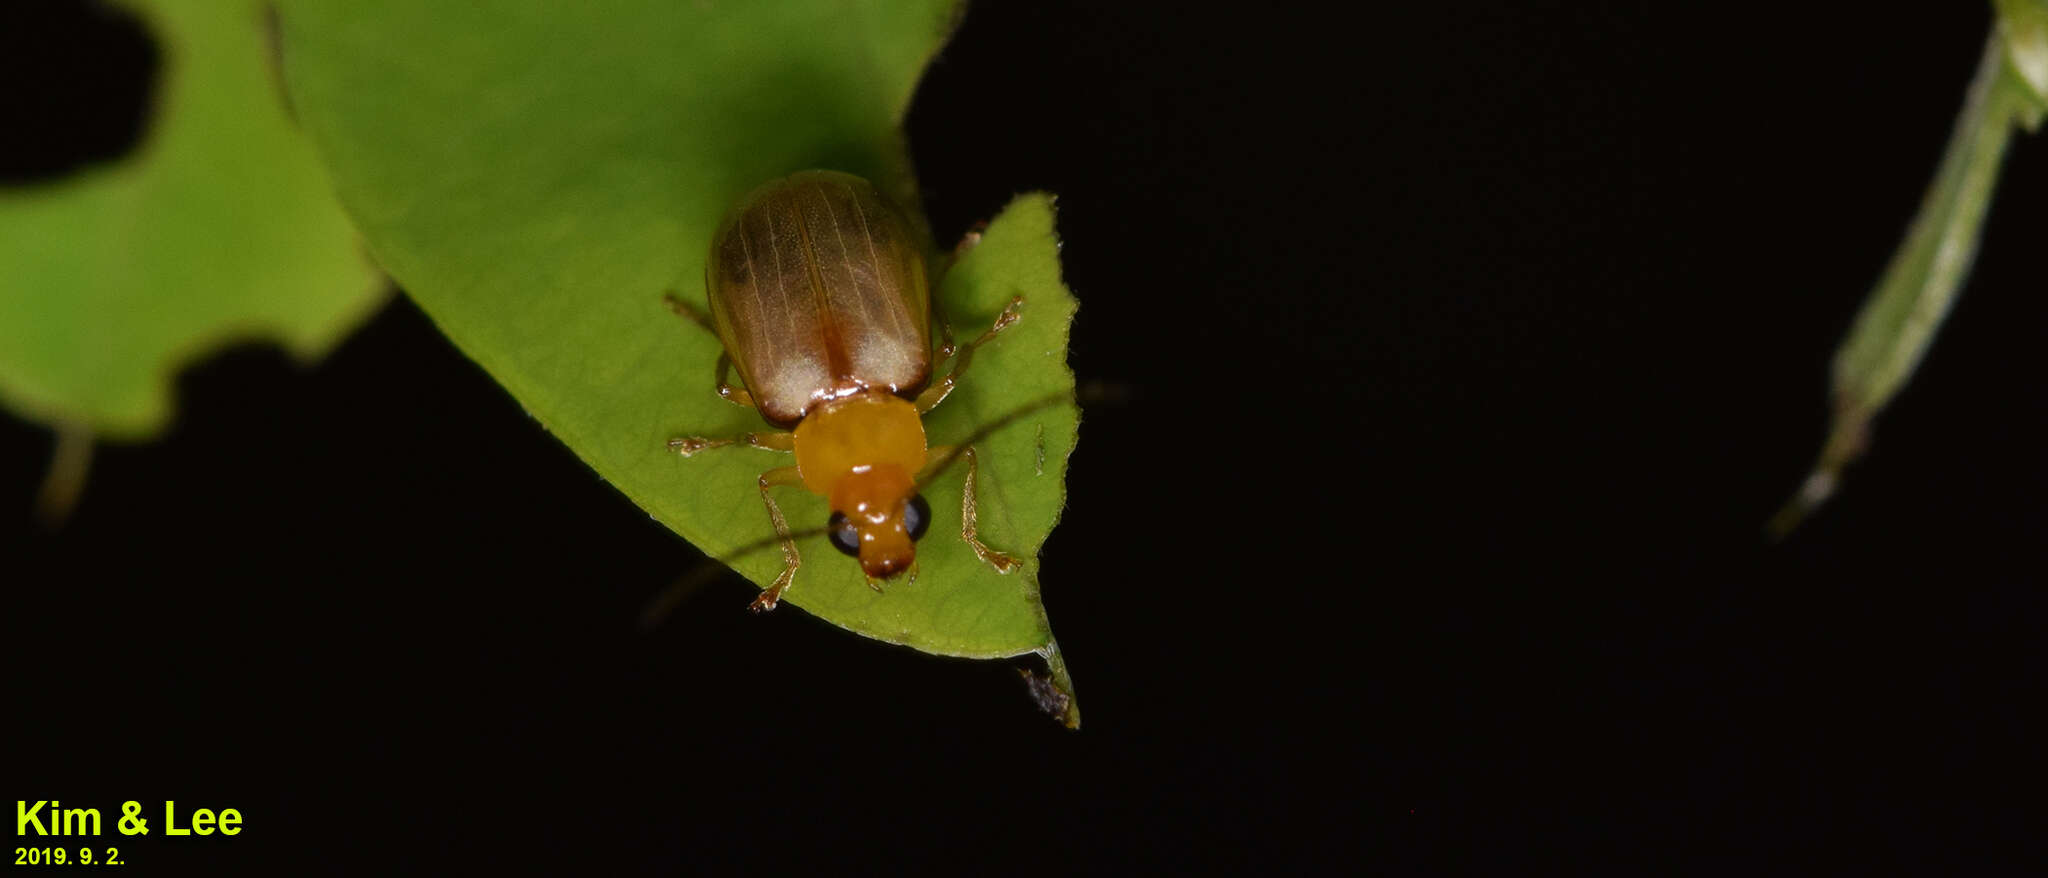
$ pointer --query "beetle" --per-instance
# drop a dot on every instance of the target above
(818, 294)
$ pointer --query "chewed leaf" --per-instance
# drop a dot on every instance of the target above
(538, 175)
(220, 228)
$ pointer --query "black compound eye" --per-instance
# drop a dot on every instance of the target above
(917, 516)
(844, 537)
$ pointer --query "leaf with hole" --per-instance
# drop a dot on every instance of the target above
(220, 227)
(538, 175)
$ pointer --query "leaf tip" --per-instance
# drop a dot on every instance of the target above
(1847, 438)
(1053, 691)
(1819, 485)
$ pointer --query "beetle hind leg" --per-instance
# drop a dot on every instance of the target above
(726, 390)
(688, 311)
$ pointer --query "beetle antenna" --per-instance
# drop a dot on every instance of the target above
(706, 571)
(1088, 393)
(711, 568)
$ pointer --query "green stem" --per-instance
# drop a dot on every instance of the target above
(1899, 319)
(70, 463)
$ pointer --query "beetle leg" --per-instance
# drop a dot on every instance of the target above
(1003, 562)
(946, 346)
(726, 391)
(937, 393)
(968, 241)
(786, 475)
(688, 445)
(689, 312)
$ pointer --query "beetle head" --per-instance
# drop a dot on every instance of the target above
(877, 516)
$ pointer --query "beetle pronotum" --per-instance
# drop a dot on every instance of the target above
(818, 294)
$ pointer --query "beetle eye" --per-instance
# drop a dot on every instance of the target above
(844, 537)
(917, 516)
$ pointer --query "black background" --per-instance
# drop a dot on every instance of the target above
(1470, 350)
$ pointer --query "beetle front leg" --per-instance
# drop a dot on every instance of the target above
(937, 393)
(769, 596)
(688, 445)
(1003, 562)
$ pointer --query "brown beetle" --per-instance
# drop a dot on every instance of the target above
(818, 293)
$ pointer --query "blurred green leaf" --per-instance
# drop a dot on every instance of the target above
(1899, 319)
(219, 228)
(537, 174)
(2024, 26)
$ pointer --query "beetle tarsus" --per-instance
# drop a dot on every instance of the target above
(1001, 562)
(689, 445)
(971, 238)
(1006, 318)
(771, 595)
(968, 241)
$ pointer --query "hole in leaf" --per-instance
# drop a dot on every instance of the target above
(79, 78)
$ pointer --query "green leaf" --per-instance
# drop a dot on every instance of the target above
(221, 227)
(1899, 319)
(538, 174)
(2024, 26)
